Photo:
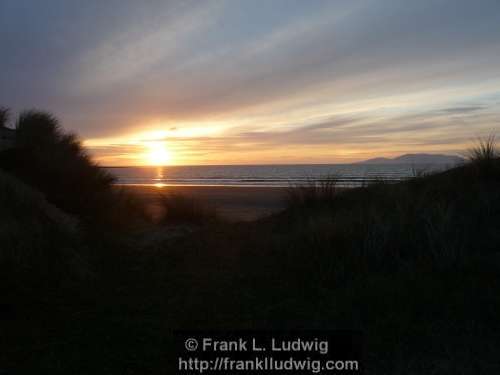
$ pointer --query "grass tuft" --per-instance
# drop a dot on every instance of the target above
(312, 193)
(485, 150)
(183, 209)
(484, 158)
(4, 116)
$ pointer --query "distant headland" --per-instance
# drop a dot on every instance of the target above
(417, 159)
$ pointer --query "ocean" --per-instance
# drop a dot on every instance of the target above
(347, 175)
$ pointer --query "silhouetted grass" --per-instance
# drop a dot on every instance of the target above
(4, 116)
(312, 193)
(485, 151)
(55, 163)
(483, 159)
(183, 209)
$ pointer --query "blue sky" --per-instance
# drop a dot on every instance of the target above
(256, 81)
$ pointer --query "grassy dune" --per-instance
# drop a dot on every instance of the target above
(39, 242)
(415, 265)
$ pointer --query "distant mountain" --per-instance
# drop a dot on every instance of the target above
(417, 159)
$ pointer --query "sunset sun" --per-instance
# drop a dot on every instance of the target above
(158, 154)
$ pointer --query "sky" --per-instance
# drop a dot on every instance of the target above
(256, 81)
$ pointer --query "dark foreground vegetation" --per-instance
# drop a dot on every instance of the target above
(414, 265)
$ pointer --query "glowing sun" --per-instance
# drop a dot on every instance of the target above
(158, 154)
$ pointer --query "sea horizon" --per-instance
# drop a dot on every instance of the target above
(268, 175)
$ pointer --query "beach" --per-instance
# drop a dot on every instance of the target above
(233, 203)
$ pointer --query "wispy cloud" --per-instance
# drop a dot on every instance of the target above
(312, 80)
(129, 55)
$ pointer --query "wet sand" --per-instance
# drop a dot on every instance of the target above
(234, 203)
